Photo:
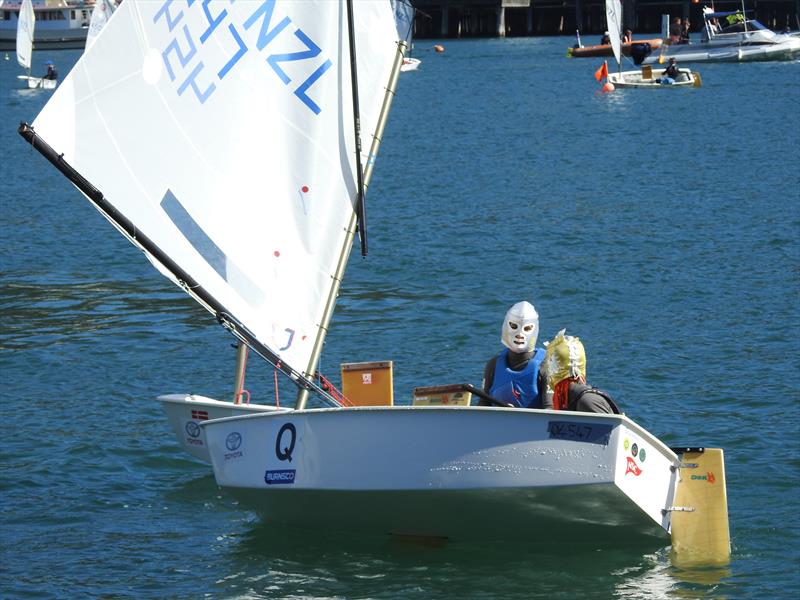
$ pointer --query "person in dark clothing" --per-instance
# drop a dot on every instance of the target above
(675, 30)
(672, 70)
(565, 369)
(51, 71)
(606, 39)
(685, 32)
(512, 376)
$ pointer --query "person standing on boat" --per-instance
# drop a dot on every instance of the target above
(675, 31)
(51, 71)
(685, 32)
(565, 371)
(513, 375)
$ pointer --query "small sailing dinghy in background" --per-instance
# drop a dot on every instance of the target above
(653, 77)
(26, 25)
(648, 76)
(260, 176)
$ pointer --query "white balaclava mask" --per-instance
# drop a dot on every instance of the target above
(520, 328)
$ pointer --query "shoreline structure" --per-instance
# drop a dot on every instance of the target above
(527, 18)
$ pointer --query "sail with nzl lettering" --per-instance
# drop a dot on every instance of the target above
(223, 136)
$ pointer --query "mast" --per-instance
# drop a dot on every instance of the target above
(302, 395)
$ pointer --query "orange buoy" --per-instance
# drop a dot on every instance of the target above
(438, 48)
(608, 87)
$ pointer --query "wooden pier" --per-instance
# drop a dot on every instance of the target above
(507, 18)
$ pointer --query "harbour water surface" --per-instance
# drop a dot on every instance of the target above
(661, 227)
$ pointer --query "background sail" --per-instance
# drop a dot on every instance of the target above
(224, 132)
(404, 18)
(614, 20)
(25, 25)
(100, 14)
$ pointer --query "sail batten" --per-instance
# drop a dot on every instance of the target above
(224, 136)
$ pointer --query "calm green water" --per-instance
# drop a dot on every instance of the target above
(662, 227)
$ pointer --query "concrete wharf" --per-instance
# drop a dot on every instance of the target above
(519, 18)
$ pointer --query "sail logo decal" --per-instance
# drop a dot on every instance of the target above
(632, 467)
(192, 67)
(580, 432)
(284, 447)
(211, 253)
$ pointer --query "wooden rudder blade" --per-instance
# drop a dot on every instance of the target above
(700, 532)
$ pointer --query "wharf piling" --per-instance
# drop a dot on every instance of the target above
(521, 18)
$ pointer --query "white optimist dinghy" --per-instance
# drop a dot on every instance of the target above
(648, 77)
(26, 24)
(256, 113)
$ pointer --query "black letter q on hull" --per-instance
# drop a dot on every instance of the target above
(286, 452)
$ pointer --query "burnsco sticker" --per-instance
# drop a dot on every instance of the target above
(580, 432)
(285, 442)
(279, 476)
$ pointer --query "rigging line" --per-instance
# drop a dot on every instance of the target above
(185, 281)
(361, 209)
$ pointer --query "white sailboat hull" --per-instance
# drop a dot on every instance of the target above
(39, 83)
(455, 472)
(410, 64)
(651, 79)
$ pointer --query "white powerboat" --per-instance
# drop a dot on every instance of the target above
(730, 37)
(63, 24)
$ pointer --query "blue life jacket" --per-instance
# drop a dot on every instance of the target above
(517, 387)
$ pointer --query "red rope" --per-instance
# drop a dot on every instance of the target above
(331, 389)
(275, 374)
(246, 393)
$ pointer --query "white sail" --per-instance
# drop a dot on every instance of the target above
(26, 22)
(614, 20)
(100, 14)
(225, 134)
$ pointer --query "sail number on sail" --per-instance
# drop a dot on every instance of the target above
(185, 60)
